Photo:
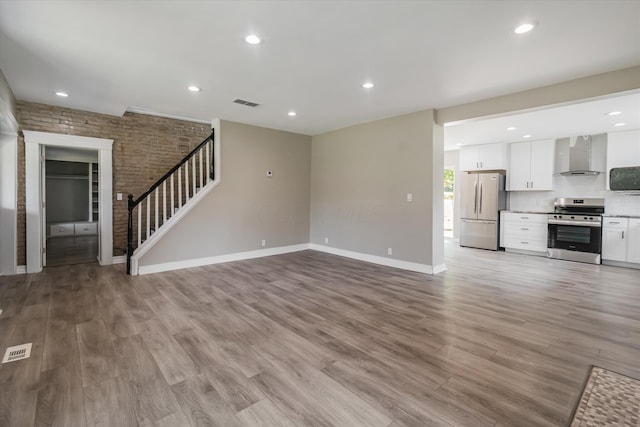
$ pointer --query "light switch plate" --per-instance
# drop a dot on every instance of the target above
(118, 196)
(409, 197)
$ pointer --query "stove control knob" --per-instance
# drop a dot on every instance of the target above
(586, 217)
(573, 217)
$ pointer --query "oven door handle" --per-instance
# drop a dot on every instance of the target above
(578, 223)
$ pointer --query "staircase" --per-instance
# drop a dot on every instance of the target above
(168, 199)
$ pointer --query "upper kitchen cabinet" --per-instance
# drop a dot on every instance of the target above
(531, 166)
(483, 157)
(623, 150)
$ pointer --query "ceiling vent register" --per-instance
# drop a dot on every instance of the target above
(247, 103)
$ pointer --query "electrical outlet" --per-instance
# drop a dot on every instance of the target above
(118, 196)
(389, 251)
(409, 197)
(326, 240)
(264, 243)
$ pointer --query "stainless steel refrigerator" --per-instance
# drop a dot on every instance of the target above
(482, 196)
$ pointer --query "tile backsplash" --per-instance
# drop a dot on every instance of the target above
(576, 187)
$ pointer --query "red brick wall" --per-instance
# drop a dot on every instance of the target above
(144, 148)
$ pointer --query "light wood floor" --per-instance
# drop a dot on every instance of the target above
(313, 339)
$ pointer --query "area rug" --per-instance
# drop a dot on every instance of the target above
(608, 399)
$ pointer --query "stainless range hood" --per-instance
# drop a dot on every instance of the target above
(581, 155)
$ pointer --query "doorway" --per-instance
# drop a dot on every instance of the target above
(449, 200)
(36, 144)
(71, 199)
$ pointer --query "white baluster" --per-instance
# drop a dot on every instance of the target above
(201, 177)
(156, 222)
(179, 187)
(186, 181)
(164, 201)
(193, 171)
(139, 225)
(208, 168)
(148, 216)
(173, 202)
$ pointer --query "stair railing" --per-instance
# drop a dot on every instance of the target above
(182, 185)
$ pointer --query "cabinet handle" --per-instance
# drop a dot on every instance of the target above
(614, 222)
(525, 243)
(524, 217)
(531, 184)
(524, 229)
(623, 234)
(527, 184)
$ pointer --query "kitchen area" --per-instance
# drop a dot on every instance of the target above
(574, 198)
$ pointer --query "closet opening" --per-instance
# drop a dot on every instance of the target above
(71, 206)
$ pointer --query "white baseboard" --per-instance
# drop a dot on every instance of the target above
(21, 269)
(157, 268)
(375, 259)
(119, 259)
(389, 262)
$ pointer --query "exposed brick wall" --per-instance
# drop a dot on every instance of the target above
(144, 148)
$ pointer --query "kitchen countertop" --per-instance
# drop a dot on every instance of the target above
(621, 216)
(527, 212)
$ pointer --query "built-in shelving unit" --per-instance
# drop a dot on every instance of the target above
(94, 188)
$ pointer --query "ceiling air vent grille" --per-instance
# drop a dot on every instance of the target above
(247, 103)
(17, 352)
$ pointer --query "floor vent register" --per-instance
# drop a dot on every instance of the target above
(17, 352)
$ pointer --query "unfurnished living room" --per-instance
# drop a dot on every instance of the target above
(315, 213)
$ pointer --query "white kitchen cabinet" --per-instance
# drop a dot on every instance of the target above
(623, 150)
(531, 166)
(483, 157)
(621, 239)
(633, 243)
(614, 247)
(525, 232)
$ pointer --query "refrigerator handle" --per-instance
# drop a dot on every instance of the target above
(475, 197)
(480, 204)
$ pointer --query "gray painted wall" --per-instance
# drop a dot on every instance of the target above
(247, 206)
(360, 177)
(67, 200)
(8, 178)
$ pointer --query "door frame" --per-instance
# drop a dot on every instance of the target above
(33, 143)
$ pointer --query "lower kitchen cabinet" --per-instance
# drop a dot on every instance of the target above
(633, 244)
(621, 240)
(524, 232)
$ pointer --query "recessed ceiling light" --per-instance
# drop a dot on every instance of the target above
(511, 128)
(194, 88)
(524, 28)
(367, 85)
(614, 113)
(62, 94)
(526, 136)
(291, 113)
(252, 39)
(619, 124)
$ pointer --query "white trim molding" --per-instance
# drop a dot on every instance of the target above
(33, 148)
(189, 263)
(375, 259)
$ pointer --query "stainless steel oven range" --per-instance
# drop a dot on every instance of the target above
(575, 230)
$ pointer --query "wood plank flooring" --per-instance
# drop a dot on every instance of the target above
(311, 339)
(66, 250)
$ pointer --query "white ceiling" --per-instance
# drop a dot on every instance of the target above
(112, 55)
(585, 118)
